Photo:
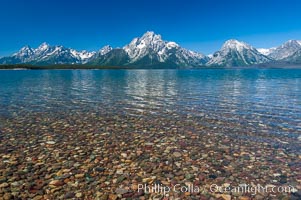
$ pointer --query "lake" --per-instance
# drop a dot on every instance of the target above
(271, 97)
(226, 111)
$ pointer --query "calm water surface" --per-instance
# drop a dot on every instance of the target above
(267, 99)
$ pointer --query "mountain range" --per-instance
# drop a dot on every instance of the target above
(151, 51)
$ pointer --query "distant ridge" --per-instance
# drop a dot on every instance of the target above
(151, 51)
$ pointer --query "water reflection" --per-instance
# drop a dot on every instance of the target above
(269, 97)
(83, 86)
(149, 89)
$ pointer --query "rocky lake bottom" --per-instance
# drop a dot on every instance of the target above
(93, 156)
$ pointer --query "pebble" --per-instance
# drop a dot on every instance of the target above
(99, 169)
(120, 179)
(189, 176)
(224, 196)
(244, 198)
(69, 195)
(121, 191)
(157, 197)
(4, 185)
(106, 156)
(7, 196)
(104, 197)
(113, 197)
(177, 154)
(79, 195)
(56, 183)
(79, 175)
(134, 187)
(38, 197)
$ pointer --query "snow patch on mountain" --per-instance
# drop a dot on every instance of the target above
(82, 56)
(235, 45)
(266, 52)
(104, 50)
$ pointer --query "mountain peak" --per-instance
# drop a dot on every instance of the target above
(150, 35)
(151, 48)
(237, 53)
(170, 45)
(285, 50)
(140, 47)
(106, 49)
(235, 44)
(26, 47)
(24, 51)
(292, 43)
(44, 46)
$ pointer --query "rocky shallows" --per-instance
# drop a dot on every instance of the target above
(103, 156)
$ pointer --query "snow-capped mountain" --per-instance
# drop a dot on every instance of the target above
(104, 50)
(47, 55)
(236, 53)
(24, 55)
(151, 49)
(140, 47)
(285, 50)
(82, 56)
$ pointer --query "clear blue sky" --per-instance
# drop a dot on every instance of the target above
(195, 24)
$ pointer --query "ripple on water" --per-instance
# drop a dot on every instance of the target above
(261, 100)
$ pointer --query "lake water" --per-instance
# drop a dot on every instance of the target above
(124, 127)
(268, 97)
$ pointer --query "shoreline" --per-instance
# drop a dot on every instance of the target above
(88, 67)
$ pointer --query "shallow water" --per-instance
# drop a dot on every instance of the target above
(75, 128)
(252, 97)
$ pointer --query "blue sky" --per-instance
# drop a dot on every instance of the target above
(200, 25)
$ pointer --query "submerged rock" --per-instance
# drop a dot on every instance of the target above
(107, 155)
(177, 154)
